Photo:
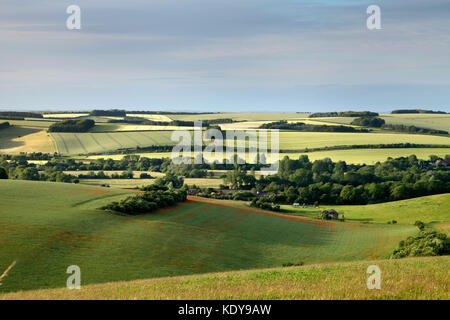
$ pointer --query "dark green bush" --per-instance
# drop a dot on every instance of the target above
(420, 225)
(426, 243)
(3, 173)
(147, 202)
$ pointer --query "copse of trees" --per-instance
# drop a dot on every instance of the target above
(72, 126)
(4, 125)
(426, 243)
(414, 111)
(300, 126)
(374, 122)
(147, 202)
(108, 113)
(344, 114)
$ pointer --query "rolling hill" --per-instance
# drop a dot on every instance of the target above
(47, 226)
(414, 278)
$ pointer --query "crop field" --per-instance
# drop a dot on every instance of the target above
(429, 209)
(432, 121)
(17, 139)
(32, 123)
(301, 140)
(57, 225)
(152, 117)
(239, 116)
(65, 115)
(370, 156)
(353, 156)
(82, 143)
(414, 278)
(133, 183)
(135, 127)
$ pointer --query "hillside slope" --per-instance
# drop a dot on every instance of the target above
(418, 278)
(47, 226)
(435, 208)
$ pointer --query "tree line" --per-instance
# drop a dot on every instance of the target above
(20, 114)
(344, 114)
(300, 126)
(4, 125)
(414, 111)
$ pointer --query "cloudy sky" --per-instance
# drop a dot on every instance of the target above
(225, 55)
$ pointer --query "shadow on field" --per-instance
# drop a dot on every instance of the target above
(8, 135)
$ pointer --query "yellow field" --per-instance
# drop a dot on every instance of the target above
(241, 116)
(152, 117)
(370, 156)
(33, 123)
(110, 173)
(15, 140)
(135, 127)
(137, 183)
(65, 115)
(354, 156)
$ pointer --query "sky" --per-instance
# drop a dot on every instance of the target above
(225, 56)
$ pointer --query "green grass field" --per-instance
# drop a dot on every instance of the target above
(301, 140)
(430, 209)
(370, 156)
(414, 278)
(431, 121)
(47, 226)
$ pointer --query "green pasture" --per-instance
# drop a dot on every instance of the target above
(429, 209)
(48, 226)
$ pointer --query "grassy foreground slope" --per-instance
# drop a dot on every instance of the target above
(428, 209)
(47, 226)
(417, 278)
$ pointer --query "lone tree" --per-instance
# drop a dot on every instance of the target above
(3, 174)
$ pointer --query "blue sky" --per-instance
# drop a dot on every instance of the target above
(216, 55)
